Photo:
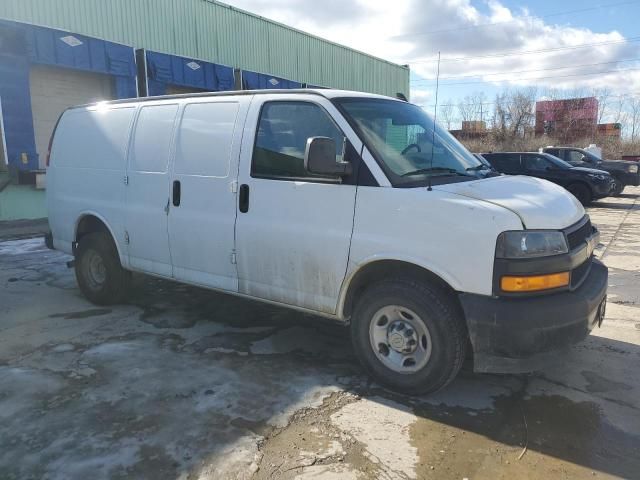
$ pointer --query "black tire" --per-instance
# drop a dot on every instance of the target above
(618, 188)
(111, 283)
(437, 310)
(581, 192)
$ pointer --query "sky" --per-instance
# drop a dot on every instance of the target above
(486, 46)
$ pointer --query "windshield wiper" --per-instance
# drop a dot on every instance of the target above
(482, 166)
(446, 171)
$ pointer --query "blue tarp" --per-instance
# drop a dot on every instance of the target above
(22, 45)
(258, 81)
(164, 70)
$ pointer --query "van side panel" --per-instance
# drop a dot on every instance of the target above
(452, 236)
(87, 171)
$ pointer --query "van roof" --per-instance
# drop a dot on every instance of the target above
(323, 92)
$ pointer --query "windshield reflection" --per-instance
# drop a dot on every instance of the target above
(407, 143)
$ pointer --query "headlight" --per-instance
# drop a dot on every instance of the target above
(530, 244)
(632, 168)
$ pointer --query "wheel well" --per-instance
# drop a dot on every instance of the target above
(384, 269)
(581, 184)
(89, 224)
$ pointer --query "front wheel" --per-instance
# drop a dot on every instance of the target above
(100, 276)
(410, 336)
(618, 188)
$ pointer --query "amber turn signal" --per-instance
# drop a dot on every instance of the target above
(534, 283)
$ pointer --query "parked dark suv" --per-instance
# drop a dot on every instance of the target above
(586, 184)
(624, 172)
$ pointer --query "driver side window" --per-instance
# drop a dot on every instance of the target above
(281, 140)
(536, 163)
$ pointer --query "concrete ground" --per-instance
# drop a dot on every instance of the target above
(182, 383)
(16, 229)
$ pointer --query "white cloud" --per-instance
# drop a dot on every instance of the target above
(421, 96)
(411, 31)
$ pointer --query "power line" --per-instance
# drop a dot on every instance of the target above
(529, 52)
(546, 78)
(629, 95)
(482, 25)
(421, 81)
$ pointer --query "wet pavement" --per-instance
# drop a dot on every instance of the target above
(183, 383)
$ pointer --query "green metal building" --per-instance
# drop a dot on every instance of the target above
(57, 53)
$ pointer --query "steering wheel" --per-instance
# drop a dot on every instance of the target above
(409, 147)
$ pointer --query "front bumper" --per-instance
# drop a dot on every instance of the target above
(629, 178)
(522, 334)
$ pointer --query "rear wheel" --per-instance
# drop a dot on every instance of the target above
(409, 335)
(581, 192)
(100, 276)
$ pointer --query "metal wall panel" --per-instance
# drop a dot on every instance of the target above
(217, 33)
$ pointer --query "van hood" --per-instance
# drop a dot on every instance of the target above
(539, 204)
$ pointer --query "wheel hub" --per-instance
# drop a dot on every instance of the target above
(96, 271)
(401, 337)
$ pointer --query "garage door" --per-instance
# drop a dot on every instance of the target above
(55, 89)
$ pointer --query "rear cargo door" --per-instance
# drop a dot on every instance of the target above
(148, 189)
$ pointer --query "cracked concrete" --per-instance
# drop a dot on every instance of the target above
(183, 383)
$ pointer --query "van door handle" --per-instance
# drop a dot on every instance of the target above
(243, 198)
(176, 193)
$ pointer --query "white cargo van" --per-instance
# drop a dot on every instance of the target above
(347, 205)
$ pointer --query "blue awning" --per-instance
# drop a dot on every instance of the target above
(22, 45)
(164, 69)
(259, 81)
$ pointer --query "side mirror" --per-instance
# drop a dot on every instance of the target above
(320, 158)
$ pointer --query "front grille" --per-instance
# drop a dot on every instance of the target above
(578, 234)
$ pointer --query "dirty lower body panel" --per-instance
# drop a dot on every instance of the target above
(514, 335)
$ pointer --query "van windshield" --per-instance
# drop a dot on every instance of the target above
(408, 144)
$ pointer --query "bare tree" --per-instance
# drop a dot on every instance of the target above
(521, 109)
(466, 109)
(445, 114)
(478, 100)
(603, 95)
(513, 113)
(473, 107)
(634, 117)
(618, 115)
